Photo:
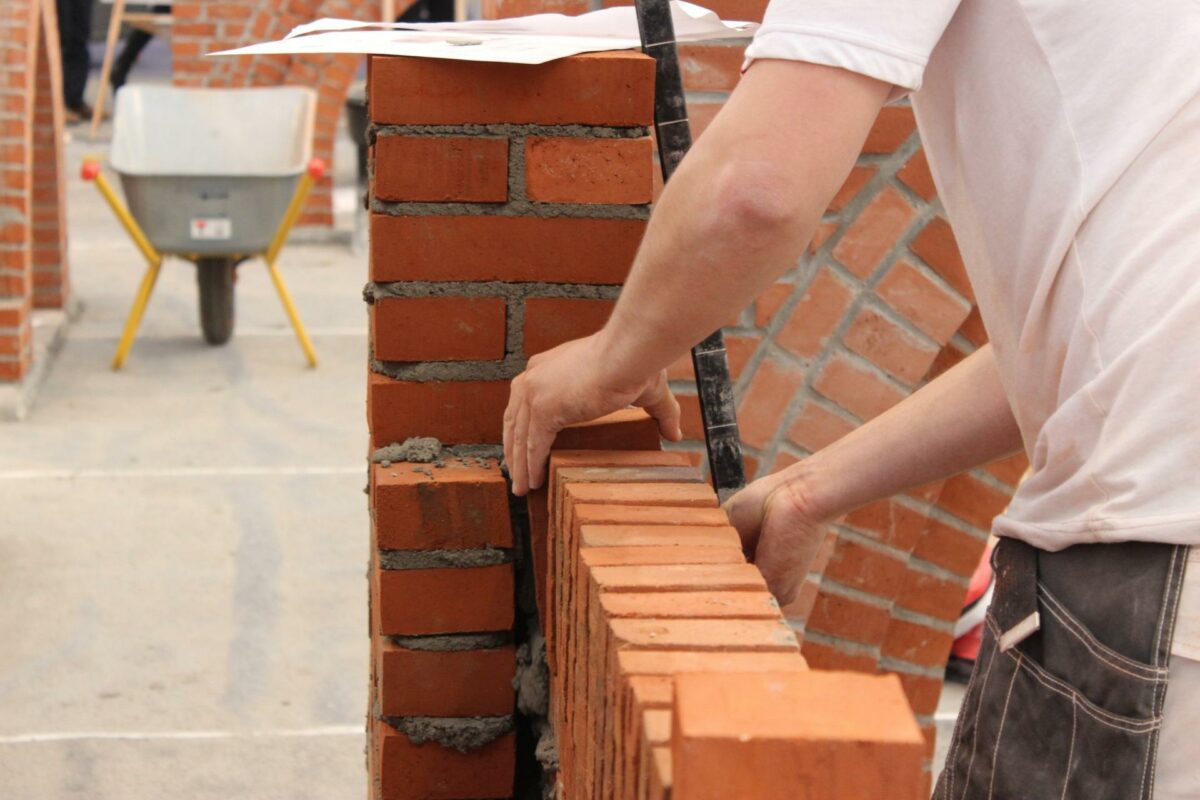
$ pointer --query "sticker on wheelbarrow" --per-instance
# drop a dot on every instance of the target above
(212, 228)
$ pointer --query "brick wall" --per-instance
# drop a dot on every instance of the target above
(495, 234)
(33, 264)
(204, 26)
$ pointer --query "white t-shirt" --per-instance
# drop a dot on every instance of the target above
(1064, 139)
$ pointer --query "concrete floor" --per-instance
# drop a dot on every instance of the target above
(183, 544)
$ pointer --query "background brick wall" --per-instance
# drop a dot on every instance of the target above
(204, 26)
(33, 265)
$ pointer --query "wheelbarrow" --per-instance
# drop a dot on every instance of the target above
(215, 177)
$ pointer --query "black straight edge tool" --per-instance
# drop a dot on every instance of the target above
(713, 383)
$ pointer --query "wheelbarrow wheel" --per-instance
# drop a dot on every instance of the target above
(215, 277)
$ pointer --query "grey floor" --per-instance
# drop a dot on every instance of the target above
(183, 544)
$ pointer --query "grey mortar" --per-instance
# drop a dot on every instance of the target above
(514, 293)
(508, 129)
(414, 449)
(440, 559)
(532, 678)
(453, 642)
(464, 734)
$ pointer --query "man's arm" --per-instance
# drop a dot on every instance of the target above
(958, 421)
(737, 214)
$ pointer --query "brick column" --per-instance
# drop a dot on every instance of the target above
(506, 206)
(32, 234)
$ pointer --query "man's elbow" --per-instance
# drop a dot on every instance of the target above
(753, 198)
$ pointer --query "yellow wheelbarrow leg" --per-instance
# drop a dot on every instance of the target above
(135, 314)
(316, 168)
(91, 172)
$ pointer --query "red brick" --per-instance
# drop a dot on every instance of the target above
(771, 391)
(891, 129)
(935, 246)
(711, 67)
(855, 181)
(949, 548)
(550, 321)
(614, 88)
(860, 567)
(576, 170)
(824, 657)
(888, 346)
(816, 427)
(916, 176)
(891, 522)
(502, 248)
(874, 232)
(701, 115)
(438, 328)
(917, 644)
(922, 692)
(449, 600)
(972, 328)
(828, 735)
(971, 499)
(769, 302)
(816, 316)
(456, 412)
(441, 168)
(856, 389)
(503, 9)
(928, 306)
(933, 596)
(847, 618)
(431, 771)
(419, 507)
(626, 429)
(1009, 470)
(428, 683)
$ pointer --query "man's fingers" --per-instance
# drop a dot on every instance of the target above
(510, 418)
(517, 468)
(661, 404)
(540, 439)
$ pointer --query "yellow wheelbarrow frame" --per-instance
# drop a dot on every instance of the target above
(92, 172)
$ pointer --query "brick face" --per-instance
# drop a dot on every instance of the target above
(442, 168)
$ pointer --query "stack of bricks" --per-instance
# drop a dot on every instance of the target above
(651, 606)
(32, 229)
(206, 26)
(502, 224)
(442, 658)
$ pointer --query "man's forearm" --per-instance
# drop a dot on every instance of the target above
(740, 209)
(958, 421)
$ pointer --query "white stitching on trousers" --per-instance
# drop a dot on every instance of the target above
(1000, 730)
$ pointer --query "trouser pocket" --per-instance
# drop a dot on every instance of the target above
(1060, 716)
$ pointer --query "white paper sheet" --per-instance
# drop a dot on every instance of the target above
(523, 40)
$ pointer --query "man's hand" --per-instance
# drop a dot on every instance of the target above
(566, 385)
(781, 530)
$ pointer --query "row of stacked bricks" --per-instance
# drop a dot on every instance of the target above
(506, 205)
(674, 673)
(32, 227)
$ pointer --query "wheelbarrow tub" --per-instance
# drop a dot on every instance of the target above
(210, 172)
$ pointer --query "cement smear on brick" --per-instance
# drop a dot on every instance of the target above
(415, 450)
(441, 559)
(464, 734)
(453, 642)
